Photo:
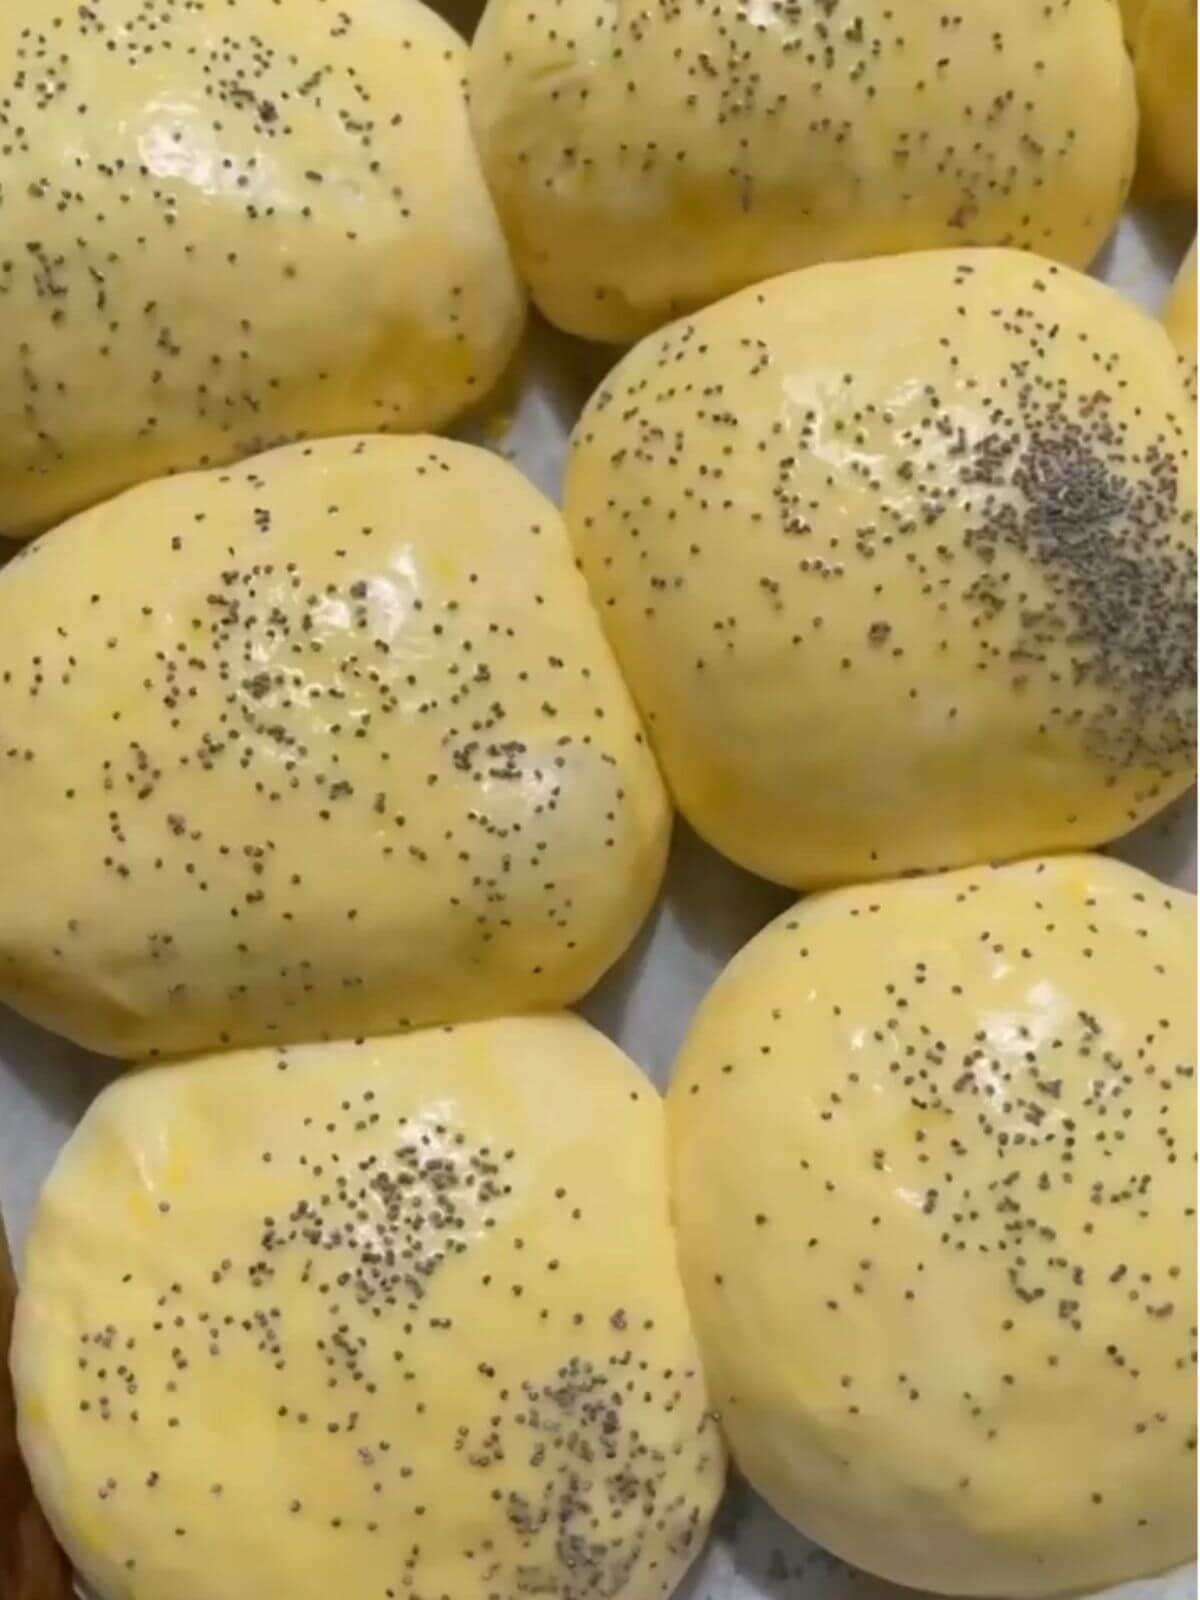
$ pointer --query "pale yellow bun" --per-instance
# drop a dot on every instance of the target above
(1165, 60)
(325, 744)
(384, 1320)
(898, 558)
(649, 159)
(933, 1150)
(229, 225)
(1179, 317)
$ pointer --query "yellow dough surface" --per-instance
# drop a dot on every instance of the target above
(898, 558)
(324, 744)
(1179, 317)
(1132, 12)
(384, 1321)
(226, 225)
(933, 1150)
(649, 159)
(1165, 58)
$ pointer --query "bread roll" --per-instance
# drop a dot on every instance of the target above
(385, 1320)
(898, 558)
(1165, 58)
(1179, 317)
(230, 225)
(933, 1150)
(650, 159)
(325, 744)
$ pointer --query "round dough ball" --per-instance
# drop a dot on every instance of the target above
(1179, 318)
(324, 744)
(647, 161)
(229, 225)
(1165, 59)
(423, 1337)
(898, 557)
(933, 1152)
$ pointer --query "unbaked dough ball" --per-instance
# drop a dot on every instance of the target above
(228, 225)
(898, 556)
(385, 1321)
(324, 744)
(1165, 58)
(649, 159)
(1179, 318)
(933, 1149)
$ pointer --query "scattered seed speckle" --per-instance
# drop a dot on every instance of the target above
(650, 159)
(974, 1139)
(346, 1312)
(893, 602)
(189, 187)
(320, 776)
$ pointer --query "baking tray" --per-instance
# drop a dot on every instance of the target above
(708, 909)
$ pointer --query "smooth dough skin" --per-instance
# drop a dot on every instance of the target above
(383, 1321)
(1165, 59)
(649, 159)
(1132, 12)
(898, 558)
(1179, 318)
(229, 223)
(324, 744)
(933, 1156)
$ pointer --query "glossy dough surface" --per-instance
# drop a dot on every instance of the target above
(385, 1321)
(324, 744)
(650, 159)
(933, 1150)
(1179, 317)
(898, 558)
(230, 224)
(1165, 57)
